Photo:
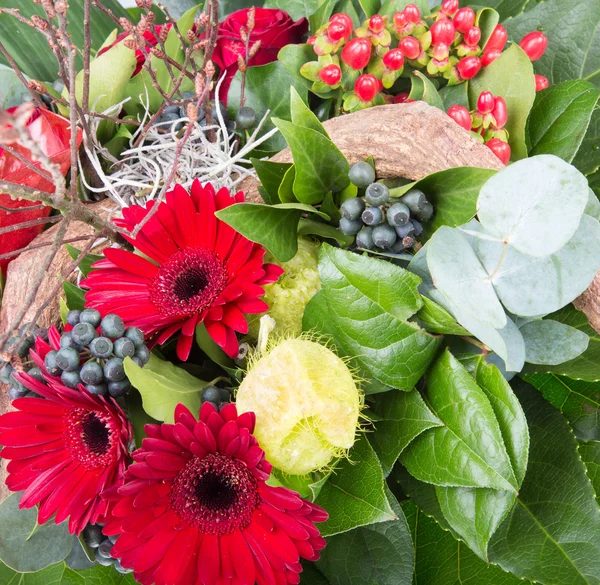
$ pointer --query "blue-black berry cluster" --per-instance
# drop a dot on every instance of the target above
(377, 221)
(93, 537)
(174, 113)
(19, 345)
(218, 397)
(96, 359)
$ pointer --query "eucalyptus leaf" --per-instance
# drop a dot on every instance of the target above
(12, 91)
(550, 342)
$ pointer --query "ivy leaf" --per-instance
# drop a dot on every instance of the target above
(590, 455)
(511, 76)
(26, 546)
(163, 386)
(400, 418)
(355, 494)
(379, 553)
(61, 574)
(294, 56)
(311, 575)
(560, 118)
(552, 535)
(75, 296)
(303, 116)
(469, 450)
(551, 342)
(86, 264)
(270, 174)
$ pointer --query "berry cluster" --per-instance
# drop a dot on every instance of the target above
(92, 350)
(487, 121)
(376, 220)
(365, 61)
(93, 537)
(172, 114)
(218, 397)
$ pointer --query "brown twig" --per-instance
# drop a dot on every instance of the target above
(27, 163)
(28, 208)
(31, 223)
(43, 245)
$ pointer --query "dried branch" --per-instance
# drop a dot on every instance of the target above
(31, 223)
(43, 245)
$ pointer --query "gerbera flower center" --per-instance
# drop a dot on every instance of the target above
(188, 283)
(89, 438)
(217, 494)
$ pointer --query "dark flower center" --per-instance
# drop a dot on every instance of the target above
(217, 494)
(89, 438)
(188, 283)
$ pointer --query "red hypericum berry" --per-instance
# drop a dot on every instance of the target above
(367, 86)
(497, 39)
(336, 31)
(489, 56)
(442, 31)
(464, 19)
(311, 40)
(357, 53)
(461, 116)
(394, 59)
(541, 82)
(449, 7)
(500, 149)
(441, 52)
(469, 67)
(486, 102)
(410, 47)
(412, 13)
(376, 24)
(500, 112)
(534, 44)
(473, 36)
(402, 98)
(331, 74)
(344, 19)
(400, 20)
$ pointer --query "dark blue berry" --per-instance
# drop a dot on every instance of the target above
(222, 108)
(105, 548)
(50, 363)
(350, 227)
(83, 333)
(372, 216)
(98, 389)
(377, 194)
(136, 335)
(137, 361)
(91, 316)
(68, 359)
(418, 228)
(92, 535)
(246, 118)
(361, 174)
(118, 389)
(67, 341)
(397, 247)
(172, 110)
(384, 236)
(14, 392)
(41, 332)
(414, 199)
(36, 374)
(405, 230)
(70, 379)
(92, 373)
(113, 326)
(398, 214)
(101, 347)
(105, 562)
(425, 213)
(352, 208)
(5, 373)
(364, 239)
(73, 317)
(211, 394)
(113, 370)
(143, 353)
(225, 394)
(123, 347)
(120, 568)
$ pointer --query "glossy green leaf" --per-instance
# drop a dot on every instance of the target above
(320, 165)
(309, 227)
(400, 418)
(285, 193)
(86, 264)
(75, 296)
(295, 8)
(469, 450)
(519, 203)
(422, 89)
(303, 116)
(486, 19)
(163, 386)
(551, 342)
(294, 56)
(12, 91)
(379, 553)
(590, 455)
(552, 535)
(61, 574)
(24, 545)
(355, 494)
(511, 76)
(275, 228)
(455, 94)
(435, 319)
(560, 118)
(389, 7)
(270, 174)
(587, 159)
(311, 575)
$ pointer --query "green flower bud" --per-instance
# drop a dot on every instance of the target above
(287, 298)
(306, 403)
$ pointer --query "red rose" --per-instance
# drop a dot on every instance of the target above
(53, 134)
(151, 38)
(274, 29)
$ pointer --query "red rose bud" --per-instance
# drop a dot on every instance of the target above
(500, 112)
(541, 82)
(367, 86)
(412, 13)
(449, 7)
(394, 59)
(331, 74)
(469, 67)
(376, 24)
(461, 116)
(473, 36)
(311, 40)
(344, 19)
(336, 31)
(489, 56)
(500, 149)
(442, 31)
(534, 44)
(486, 102)
(464, 19)
(357, 53)
(497, 39)
(410, 47)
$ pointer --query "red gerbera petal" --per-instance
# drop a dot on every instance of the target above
(203, 270)
(64, 451)
(217, 520)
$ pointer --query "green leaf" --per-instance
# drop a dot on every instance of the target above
(355, 494)
(560, 118)
(400, 418)
(294, 56)
(268, 87)
(486, 19)
(24, 545)
(357, 290)
(469, 450)
(455, 94)
(64, 310)
(511, 76)
(285, 193)
(86, 264)
(295, 8)
(423, 89)
(303, 116)
(379, 553)
(587, 159)
(138, 416)
(551, 342)
(270, 174)
(329, 232)
(211, 349)
(389, 7)
(273, 227)
(320, 165)
(311, 576)
(163, 386)
(75, 296)
(61, 574)
(552, 535)
(590, 455)
(435, 319)
(12, 91)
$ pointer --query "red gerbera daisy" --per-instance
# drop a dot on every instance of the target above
(200, 270)
(64, 451)
(195, 509)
